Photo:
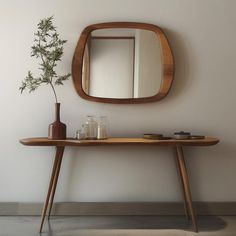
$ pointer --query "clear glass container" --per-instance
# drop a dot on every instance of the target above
(102, 130)
(91, 128)
(85, 130)
(80, 135)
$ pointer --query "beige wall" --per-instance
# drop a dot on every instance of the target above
(202, 34)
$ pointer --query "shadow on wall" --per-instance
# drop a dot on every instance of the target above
(181, 61)
(206, 224)
(223, 150)
(79, 159)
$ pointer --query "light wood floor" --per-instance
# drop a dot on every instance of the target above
(117, 226)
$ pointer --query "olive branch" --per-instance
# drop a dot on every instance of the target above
(48, 48)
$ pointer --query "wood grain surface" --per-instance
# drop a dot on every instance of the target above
(118, 141)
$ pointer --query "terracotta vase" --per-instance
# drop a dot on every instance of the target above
(57, 129)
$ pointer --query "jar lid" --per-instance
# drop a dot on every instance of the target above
(182, 133)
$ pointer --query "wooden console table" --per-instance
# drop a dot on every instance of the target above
(176, 144)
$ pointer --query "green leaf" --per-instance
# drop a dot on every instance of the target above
(48, 48)
(61, 79)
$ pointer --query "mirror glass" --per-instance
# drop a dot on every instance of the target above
(122, 63)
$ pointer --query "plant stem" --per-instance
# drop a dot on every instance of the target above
(40, 52)
(54, 92)
(53, 89)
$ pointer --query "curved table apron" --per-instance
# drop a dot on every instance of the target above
(176, 144)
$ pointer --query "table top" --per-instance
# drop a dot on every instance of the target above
(207, 141)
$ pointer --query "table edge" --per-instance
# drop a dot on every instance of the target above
(72, 142)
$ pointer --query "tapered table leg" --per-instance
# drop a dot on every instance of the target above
(182, 185)
(60, 155)
(55, 166)
(184, 174)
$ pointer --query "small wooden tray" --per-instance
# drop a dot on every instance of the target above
(153, 136)
(166, 138)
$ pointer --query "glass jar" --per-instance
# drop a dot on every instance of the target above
(91, 128)
(102, 131)
(80, 135)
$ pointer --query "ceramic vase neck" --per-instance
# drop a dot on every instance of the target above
(57, 111)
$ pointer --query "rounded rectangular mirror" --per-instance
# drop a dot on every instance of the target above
(122, 63)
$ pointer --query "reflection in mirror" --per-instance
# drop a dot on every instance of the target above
(122, 63)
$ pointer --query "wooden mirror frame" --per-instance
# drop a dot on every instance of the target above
(167, 63)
